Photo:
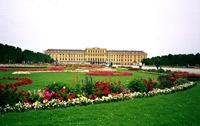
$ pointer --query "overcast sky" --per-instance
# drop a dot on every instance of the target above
(158, 27)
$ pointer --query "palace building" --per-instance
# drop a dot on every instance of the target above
(96, 56)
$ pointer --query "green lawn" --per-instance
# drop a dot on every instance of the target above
(180, 109)
(40, 80)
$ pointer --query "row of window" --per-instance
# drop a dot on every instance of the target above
(109, 57)
(96, 51)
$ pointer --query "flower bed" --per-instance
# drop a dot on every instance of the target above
(109, 73)
(22, 81)
(21, 72)
(56, 68)
(188, 75)
(83, 100)
(3, 68)
(32, 69)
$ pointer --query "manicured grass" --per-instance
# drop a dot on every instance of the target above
(180, 109)
(8, 81)
(40, 80)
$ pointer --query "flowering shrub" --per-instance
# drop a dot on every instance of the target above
(109, 73)
(116, 87)
(102, 88)
(22, 81)
(82, 100)
(151, 84)
(57, 91)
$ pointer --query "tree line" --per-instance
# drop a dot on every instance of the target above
(11, 54)
(174, 60)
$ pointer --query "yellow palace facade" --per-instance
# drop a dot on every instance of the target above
(96, 56)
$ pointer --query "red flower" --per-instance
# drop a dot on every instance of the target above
(92, 97)
(62, 90)
(106, 91)
(97, 93)
(61, 98)
(55, 94)
(71, 96)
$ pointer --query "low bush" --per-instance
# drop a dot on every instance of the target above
(10, 96)
(116, 87)
(151, 84)
(166, 81)
(88, 86)
(137, 86)
(180, 81)
(161, 71)
(165, 84)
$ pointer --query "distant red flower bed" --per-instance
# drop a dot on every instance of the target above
(22, 81)
(3, 68)
(109, 73)
(56, 68)
(180, 74)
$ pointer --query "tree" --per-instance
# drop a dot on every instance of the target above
(157, 63)
(11, 54)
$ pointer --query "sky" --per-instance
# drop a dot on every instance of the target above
(158, 27)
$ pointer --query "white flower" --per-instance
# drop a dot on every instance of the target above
(21, 72)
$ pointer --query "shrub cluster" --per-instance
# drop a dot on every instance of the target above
(11, 96)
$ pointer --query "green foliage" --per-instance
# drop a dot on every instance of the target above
(166, 84)
(157, 63)
(116, 88)
(175, 60)
(34, 97)
(56, 87)
(164, 77)
(165, 81)
(11, 54)
(161, 71)
(77, 89)
(155, 85)
(180, 81)
(137, 86)
(88, 86)
(10, 96)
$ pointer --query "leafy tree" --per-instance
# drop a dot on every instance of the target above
(174, 60)
(11, 54)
